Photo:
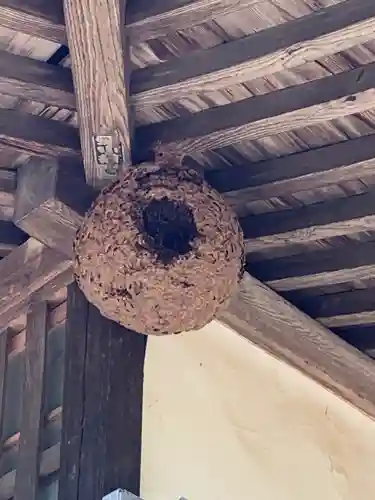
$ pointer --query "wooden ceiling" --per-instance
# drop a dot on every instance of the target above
(273, 100)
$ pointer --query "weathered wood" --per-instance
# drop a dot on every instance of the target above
(316, 269)
(101, 441)
(256, 117)
(324, 32)
(51, 200)
(37, 135)
(267, 320)
(45, 19)
(47, 9)
(310, 222)
(308, 170)
(101, 66)
(35, 80)
(27, 474)
(24, 272)
(49, 463)
(39, 18)
(147, 19)
(73, 397)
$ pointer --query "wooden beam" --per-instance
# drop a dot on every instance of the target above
(101, 67)
(27, 475)
(101, 440)
(267, 320)
(36, 81)
(318, 269)
(39, 18)
(349, 308)
(24, 272)
(146, 20)
(286, 46)
(51, 200)
(37, 135)
(310, 223)
(312, 169)
(256, 117)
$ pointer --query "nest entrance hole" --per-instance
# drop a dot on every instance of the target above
(170, 227)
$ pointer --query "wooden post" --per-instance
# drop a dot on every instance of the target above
(100, 64)
(102, 405)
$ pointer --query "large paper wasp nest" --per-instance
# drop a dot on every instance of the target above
(159, 251)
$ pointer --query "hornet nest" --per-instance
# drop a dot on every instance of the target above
(159, 251)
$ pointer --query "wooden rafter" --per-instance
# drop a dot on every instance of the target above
(310, 223)
(301, 171)
(37, 135)
(44, 18)
(36, 81)
(286, 46)
(319, 269)
(256, 117)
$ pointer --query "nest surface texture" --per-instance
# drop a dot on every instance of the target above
(159, 251)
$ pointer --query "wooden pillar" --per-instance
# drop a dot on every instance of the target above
(100, 65)
(102, 405)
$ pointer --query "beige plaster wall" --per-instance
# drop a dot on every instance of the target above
(225, 421)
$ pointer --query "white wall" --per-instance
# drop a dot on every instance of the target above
(225, 421)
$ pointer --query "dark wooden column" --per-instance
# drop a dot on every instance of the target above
(102, 406)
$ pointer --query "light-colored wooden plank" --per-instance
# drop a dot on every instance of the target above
(101, 66)
(256, 117)
(267, 320)
(286, 46)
